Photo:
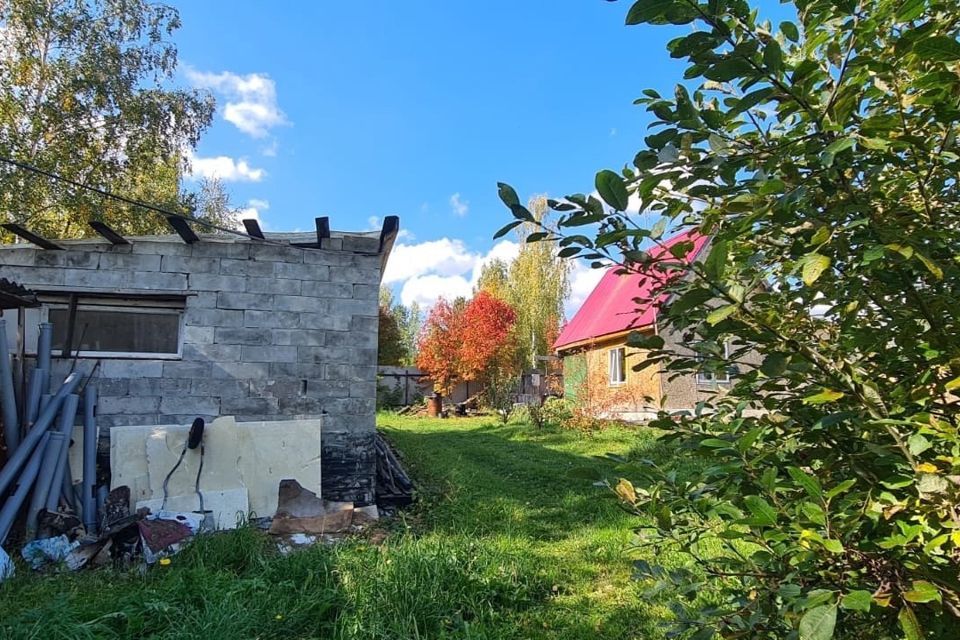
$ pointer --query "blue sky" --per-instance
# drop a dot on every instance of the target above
(357, 110)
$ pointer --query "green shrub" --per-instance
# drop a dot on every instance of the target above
(556, 411)
(822, 162)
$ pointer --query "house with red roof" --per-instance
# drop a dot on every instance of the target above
(598, 363)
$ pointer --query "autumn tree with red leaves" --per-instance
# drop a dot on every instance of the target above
(465, 343)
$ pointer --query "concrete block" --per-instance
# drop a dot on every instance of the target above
(231, 300)
(113, 386)
(329, 258)
(332, 244)
(128, 404)
(301, 271)
(185, 369)
(220, 249)
(30, 276)
(130, 261)
(190, 405)
(144, 387)
(185, 264)
(132, 368)
(298, 406)
(271, 319)
(356, 275)
(221, 387)
(361, 244)
(216, 282)
(193, 334)
(276, 253)
(225, 335)
(274, 285)
(194, 316)
(329, 388)
(212, 352)
(354, 339)
(272, 353)
(340, 355)
(107, 423)
(92, 278)
(70, 259)
(364, 324)
(248, 405)
(158, 280)
(363, 390)
(281, 388)
(296, 370)
(248, 267)
(165, 248)
(325, 321)
(328, 289)
(366, 292)
(353, 373)
(350, 406)
(22, 256)
(300, 303)
(203, 299)
(241, 370)
(298, 337)
(175, 386)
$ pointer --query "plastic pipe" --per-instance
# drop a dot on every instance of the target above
(9, 471)
(8, 396)
(45, 398)
(10, 508)
(44, 478)
(67, 415)
(34, 392)
(44, 350)
(88, 500)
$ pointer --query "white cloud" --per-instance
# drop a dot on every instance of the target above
(444, 267)
(225, 168)
(424, 290)
(253, 210)
(251, 100)
(583, 280)
(460, 207)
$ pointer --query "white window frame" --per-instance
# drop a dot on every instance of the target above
(617, 363)
(125, 305)
(709, 377)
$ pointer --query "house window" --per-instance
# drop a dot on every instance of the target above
(126, 329)
(712, 377)
(618, 369)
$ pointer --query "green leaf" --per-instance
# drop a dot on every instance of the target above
(773, 57)
(911, 10)
(658, 228)
(763, 513)
(507, 194)
(909, 623)
(790, 31)
(938, 49)
(840, 488)
(814, 264)
(923, 591)
(720, 314)
(716, 262)
(832, 545)
(859, 600)
(952, 384)
(809, 483)
(537, 236)
(818, 623)
(774, 365)
(918, 444)
(823, 397)
(507, 229)
(612, 189)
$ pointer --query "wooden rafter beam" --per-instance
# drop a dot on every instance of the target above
(253, 228)
(388, 234)
(323, 229)
(43, 243)
(104, 230)
(183, 229)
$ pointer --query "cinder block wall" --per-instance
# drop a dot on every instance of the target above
(271, 333)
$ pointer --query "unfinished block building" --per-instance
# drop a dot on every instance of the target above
(283, 327)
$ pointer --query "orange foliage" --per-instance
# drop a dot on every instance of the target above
(465, 343)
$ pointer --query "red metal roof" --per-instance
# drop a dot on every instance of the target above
(610, 308)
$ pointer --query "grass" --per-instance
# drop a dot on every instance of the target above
(501, 545)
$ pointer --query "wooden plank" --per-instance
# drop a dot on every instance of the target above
(253, 228)
(43, 243)
(388, 234)
(323, 229)
(183, 229)
(104, 230)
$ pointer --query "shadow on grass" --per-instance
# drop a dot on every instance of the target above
(504, 545)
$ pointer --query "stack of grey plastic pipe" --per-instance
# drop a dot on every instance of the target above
(38, 437)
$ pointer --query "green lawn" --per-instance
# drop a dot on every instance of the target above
(501, 545)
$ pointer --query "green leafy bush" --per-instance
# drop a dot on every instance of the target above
(821, 158)
(556, 411)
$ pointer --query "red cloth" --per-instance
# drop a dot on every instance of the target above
(611, 308)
